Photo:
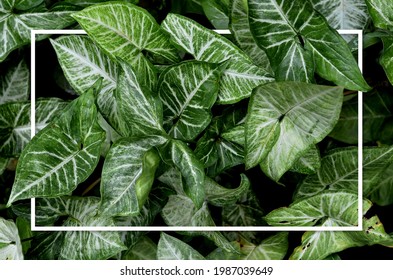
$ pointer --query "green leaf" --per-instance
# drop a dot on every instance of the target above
(26, 4)
(188, 91)
(295, 46)
(341, 207)
(170, 248)
(220, 196)
(3, 164)
(339, 171)
(14, 85)
(145, 249)
(240, 76)
(15, 126)
(343, 14)
(182, 157)
(124, 188)
(139, 111)
(376, 110)
(279, 132)
(10, 245)
(16, 28)
(24, 233)
(124, 30)
(309, 163)
(382, 192)
(47, 245)
(86, 3)
(274, 247)
(386, 59)
(63, 154)
(319, 245)
(217, 12)
(381, 13)
(240, 28)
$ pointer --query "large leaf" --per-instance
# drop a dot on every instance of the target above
(10, 245)
(62, 154)
(127, 31)
(14, 85)
(309, 163)
(181, 156)
(297, 39)
(16, 28)
(376, 110)
(15, 126)
(122, 191)
(272, 248)
(170, 248)
(341, 207)
(343, 14)
(47, 245)
(144, 249)
(382, 192)
(217, 12)
(339, 171)
(319, 245)
(140, 112)
(188, 91)
(386, 59)
(240, 76)
(240, 28)
(285, 120)
(381, 12)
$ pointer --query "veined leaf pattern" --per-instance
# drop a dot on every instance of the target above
(240, 76)
(124, 30)
(338, 206)
(381, 12)
(285, 119)
(274, 247)
(188, 91)
(297, 39)
(10, 245)
(62, 154)
(14, 85)
(15, 127)
(171, 248)
(339, 171)
(16, 28)
(309, 163)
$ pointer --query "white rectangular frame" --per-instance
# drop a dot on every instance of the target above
(359, 227)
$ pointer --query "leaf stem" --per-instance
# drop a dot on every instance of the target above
(92, 185)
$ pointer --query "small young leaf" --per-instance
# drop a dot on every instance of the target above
(14, 85)
(10, 245)
(62, 155)
(170, 248)
(279, 132)
(240, 76)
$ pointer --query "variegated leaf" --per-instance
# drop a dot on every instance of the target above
(297, 39)
(274, 247)
(309, 163)
(240, 28)
(123, 193)
(27, 4)
(170, 248)
(144, 249)
(14, 85)
(337, 206)
(188, 91)
(62, 155)
(87, 3)
(382, 192)
(124, 30)
(47, 245)
(343, 14)
(319, 245)
(217, 12)
(339, 171)
(386, 59)
(285, 119)
(15, 126)
(10, 245)
(240, 76)
(381, 13)
(16, 27)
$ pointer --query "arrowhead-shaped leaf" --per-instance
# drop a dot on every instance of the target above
(278, 129)
(124, 30)
(337, 206)
(343, 14)
(15, 127)
(122, 191)
(63, 154)
(286, 31)
(16, 28)
(171, 248)
(10, 245)
(319, 245)
(14, 85)
(188, 91)
(240, 76)
(240, 28)
(339, 171)
(381, 12)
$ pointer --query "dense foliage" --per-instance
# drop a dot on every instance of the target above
(154, 119)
